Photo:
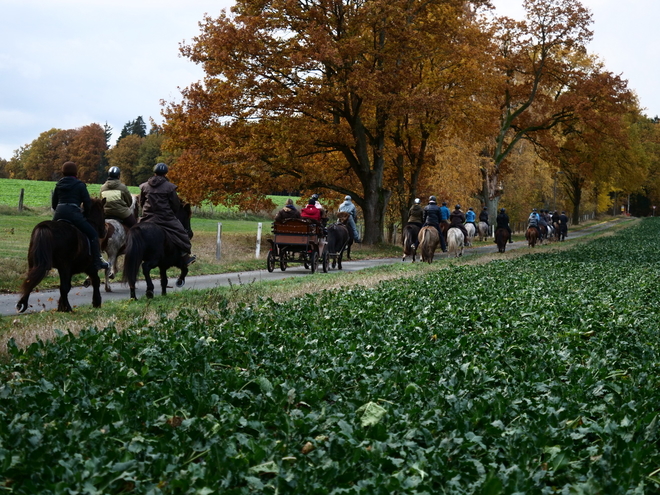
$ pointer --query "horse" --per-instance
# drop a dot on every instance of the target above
(455, 241)
(551, 232)
(531, 235)
(410, 234)
(114, 243)
(337, 240)
(483, 231)
(58, 244)
(471, 231)
(343, 218)
(429, 239)
(444, 227)
(501, 238)
(147, 244)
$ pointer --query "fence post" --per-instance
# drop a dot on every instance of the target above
(258, 251)
(20, 199)
(218, 242)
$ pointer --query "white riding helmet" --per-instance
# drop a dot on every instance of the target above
(416, 201)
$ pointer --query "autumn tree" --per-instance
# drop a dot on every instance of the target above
(87, 149)
(323, 94)
(125, 155)
(41, 158)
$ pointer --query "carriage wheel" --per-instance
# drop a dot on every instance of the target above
(314, 261)
(326, 261)
(270, 261)
(283, 265)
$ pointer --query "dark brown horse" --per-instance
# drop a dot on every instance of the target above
(410, 233)
(60, 245)
(501, 238)
(338, 241)
(147, 244)
(532, 236)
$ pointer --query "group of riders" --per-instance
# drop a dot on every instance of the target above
(158, 201)
(434, 215)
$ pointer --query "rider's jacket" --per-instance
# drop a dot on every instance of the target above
(483, 216)
(70, 191)
(118, 199)
(502, 220)
(457, 218)
(444, 213)
(470, 216)
(349, 208)
(533, 219)
(416, 214)
(432, 214)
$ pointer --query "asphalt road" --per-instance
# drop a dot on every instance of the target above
(47, 300)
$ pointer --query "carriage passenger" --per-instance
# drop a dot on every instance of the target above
(324, 213)
(289, 211)
(311, 212)
(69, 194)
(502, 222)
(348, 207)
(118, 199)
(416, 214)
(431, 216)
(160, 202)
(457, 219)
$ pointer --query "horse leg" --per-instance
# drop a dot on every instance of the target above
(181, 281)
(163, 280)
(96, 287)
(146, 271)
(65, 286)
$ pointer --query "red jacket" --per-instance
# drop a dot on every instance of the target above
(311, 211)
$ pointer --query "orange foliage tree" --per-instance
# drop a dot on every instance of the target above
(330, 94)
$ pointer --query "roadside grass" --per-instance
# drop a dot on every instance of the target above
(29, 328)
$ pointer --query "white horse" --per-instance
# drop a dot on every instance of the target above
(455, 241)
(483, 231)
(471, 231)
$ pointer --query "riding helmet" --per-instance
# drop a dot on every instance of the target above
(315, 197)
(416, 201)
(502, 210)
(161, 169)
(458, 207)
(69, 168)
(114, 173)
(347, 198)
(432, 198)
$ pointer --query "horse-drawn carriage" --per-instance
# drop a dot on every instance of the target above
(297, 240)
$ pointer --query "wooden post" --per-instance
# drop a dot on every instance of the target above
(20, 199)
(258, 251)
(218, 242)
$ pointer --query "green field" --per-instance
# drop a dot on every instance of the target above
(534, 375)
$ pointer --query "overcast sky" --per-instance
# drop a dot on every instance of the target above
(69, 63)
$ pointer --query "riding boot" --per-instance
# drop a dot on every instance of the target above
(97, 261)
(188, 259)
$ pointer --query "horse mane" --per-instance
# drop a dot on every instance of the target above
(343, 216)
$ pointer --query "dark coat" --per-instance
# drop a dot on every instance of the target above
(502, 220)
(483, 216)
(431, 215)
(159, 202)
(457, 218)
(416, 214)
(285, 213)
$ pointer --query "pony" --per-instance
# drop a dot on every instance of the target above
(147, 244)
(531, 236)
(114, 243)
(471, 231)
(483, 231)
(501, 238)
(337, 241)
(455, 241)
(343, 217)
(429, 239)
(410, 234)
(58, 244)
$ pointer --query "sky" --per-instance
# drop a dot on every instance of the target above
(69, 63)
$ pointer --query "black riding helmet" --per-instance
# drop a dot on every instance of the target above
(114, 173)
(161, 169)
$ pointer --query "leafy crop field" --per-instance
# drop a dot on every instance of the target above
(534, 375)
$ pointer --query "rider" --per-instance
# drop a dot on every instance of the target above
(543, 225)
(431, 216)
(563, 223)
(348, 207)
(160, 202)
(471, 217)
(533, 221)
(502, 222)
(457, 219)
(444, 212)
(289, 211)
(416, 214)
(118, 199)
(69, 194)
(483, 217)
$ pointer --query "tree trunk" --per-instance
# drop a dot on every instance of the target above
(373, 209)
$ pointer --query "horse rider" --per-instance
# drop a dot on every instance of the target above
(160, 202)
(416, 214)
(431, 216)
(289, 211)
(457, 219)
(70, 192)
(444, 212)
(502, 222)
(483, 216)
(543, 223)
(348, 207)
(533, 221)
(471, 217)
(118, 199)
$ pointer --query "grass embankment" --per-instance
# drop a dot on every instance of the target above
(536, 374)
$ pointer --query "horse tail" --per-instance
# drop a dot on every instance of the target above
(135, 248)
(40, 257)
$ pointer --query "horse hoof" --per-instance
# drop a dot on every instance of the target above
(111, 276)
(180, 282)
(150, 294)
(21, 307)
(87, 282)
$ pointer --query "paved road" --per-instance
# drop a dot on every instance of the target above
(79, 296)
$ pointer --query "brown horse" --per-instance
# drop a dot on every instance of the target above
(58, 244)
(501, 238)
(410, 235)
(532, 236)
(428, 242)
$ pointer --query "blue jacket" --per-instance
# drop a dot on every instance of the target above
(470, 216)
(444, 213)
